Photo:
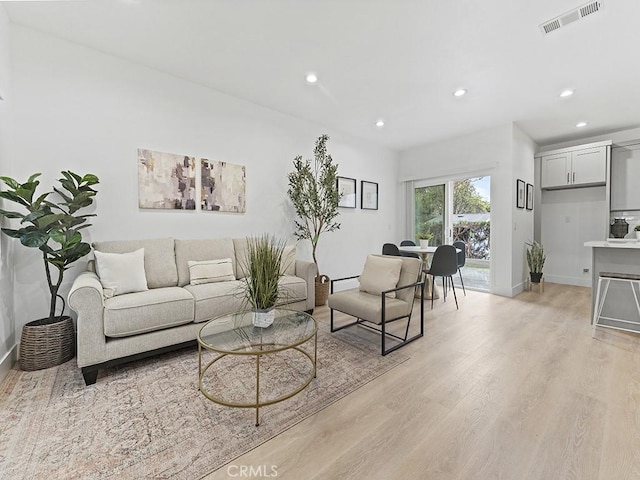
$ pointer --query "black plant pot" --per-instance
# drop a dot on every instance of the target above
(535, 277)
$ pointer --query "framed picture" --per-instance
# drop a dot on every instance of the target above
(368, 195)
(520, 193)
(529, 196)
(347, 192)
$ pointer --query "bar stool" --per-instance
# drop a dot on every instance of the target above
(607, 278)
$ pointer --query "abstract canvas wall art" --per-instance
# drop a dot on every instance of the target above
(166, 180)
(223, 186)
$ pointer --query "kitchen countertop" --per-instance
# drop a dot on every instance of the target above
(617, 243)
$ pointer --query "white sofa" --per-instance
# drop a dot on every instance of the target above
(170, 313)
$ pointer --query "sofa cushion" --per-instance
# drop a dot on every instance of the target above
(198, 251)
(294, 289)
(240, 247)
(288, 264)
(159, 258)
(215, 299)
(211, 271)
(142, 312)
(380, 273)
(121, 273)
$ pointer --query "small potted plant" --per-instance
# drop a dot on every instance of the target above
(261, 287)
(637, 230)
(535, 260)
(424, 238)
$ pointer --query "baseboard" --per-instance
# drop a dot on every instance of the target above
(7, 362)
(577, 281)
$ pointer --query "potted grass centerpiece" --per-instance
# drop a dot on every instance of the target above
(424, 238)
(261, 287)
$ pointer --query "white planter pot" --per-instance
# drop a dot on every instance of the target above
(263, 318)
(637, 235)
(424, 243)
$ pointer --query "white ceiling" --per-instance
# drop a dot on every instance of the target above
(399, 60)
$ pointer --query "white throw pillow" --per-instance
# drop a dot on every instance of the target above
(211, 271)
(121, 273)
(380, 274)
(288, 262)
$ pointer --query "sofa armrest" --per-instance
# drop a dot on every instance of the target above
(308, 271)
(86, 299)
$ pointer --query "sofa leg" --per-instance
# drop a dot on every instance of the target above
(310, 311)
(90, 375)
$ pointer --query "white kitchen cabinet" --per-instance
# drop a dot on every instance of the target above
(625, 174)
(574, 167)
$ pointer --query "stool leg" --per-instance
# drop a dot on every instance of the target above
(597, 308)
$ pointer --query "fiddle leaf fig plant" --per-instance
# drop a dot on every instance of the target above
(53, 227)
(313, 191)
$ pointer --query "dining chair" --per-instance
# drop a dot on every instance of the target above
(462, 255)
(444, 264)
(390, 249)
(408, 243)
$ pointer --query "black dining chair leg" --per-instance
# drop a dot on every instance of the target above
(462, 282)
(433, 287)
(453, 287)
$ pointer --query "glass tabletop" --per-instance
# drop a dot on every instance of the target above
(236, 334)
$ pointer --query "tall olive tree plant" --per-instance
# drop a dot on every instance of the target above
(313, 191)
(52, 227)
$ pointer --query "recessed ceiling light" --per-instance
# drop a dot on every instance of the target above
(312, 78)
(380, 123)
(566, 93)
(581, 124)
(460, 92)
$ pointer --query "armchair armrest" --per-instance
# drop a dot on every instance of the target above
(308, 271)
(335, 280)
(415, 284)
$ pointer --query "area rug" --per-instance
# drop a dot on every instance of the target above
(147, 419)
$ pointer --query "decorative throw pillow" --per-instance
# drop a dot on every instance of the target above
(288, 263)
(121, 273)
(380, 274)
(211, 271)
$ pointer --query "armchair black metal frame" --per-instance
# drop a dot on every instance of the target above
(383, 321)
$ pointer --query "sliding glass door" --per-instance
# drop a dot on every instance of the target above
(430, 208)
(457, 210)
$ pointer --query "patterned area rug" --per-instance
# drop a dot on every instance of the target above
(147, 419)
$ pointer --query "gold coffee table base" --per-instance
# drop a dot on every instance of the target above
(235, 335)
(257, 404)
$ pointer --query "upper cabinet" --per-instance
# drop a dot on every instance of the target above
(625, 174)
(581, 166)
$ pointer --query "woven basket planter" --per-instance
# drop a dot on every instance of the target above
(322, 289)
(45, 346)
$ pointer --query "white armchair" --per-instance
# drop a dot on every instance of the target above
(386, 294)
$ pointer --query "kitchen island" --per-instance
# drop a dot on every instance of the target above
(618, 256)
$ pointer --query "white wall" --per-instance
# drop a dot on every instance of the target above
(78, 109)
(7, 319)
(505, 153)
(523, 220)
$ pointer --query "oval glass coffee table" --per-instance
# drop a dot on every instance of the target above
(235, 335)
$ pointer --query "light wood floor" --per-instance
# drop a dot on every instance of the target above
(503, 388)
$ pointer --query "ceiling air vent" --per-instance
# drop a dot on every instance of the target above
(570, 17)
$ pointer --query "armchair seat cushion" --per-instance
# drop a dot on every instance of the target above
(367, 306)
(141, 312)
